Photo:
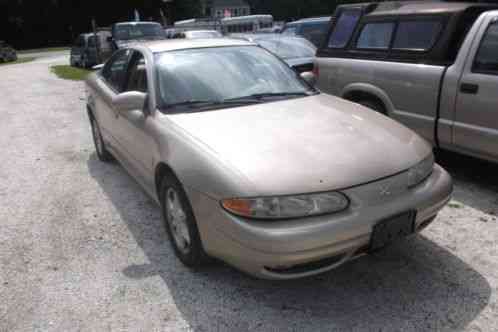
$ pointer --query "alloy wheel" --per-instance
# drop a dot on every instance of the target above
(177, 220)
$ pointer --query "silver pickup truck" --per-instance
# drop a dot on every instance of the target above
(433, 66)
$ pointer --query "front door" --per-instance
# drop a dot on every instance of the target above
(111, 83)
(476, 119)
(134, 127)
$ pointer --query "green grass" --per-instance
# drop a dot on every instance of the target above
(20, 60)
(70, 73)
(41, 50)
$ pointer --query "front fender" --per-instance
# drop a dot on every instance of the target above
(197, 166)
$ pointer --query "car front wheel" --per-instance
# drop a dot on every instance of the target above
(180, 223)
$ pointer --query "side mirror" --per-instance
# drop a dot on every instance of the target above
(129, 101)
(98, 67)
(109, 39)
(309, 77)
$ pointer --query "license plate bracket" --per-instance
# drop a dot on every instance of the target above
(392, 229)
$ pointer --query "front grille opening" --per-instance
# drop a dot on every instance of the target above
(308, 267)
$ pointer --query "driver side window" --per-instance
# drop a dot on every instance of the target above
(115, 69)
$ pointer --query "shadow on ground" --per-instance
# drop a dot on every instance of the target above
(476, 181)
(416, 285)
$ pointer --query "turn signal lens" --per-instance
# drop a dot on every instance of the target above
(421, 171)
(282, 207)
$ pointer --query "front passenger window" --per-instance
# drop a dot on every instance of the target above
(115, 69)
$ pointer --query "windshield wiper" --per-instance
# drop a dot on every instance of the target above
(201, 104)
(194, 103)
(278, 94)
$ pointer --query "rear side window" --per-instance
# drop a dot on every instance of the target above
(375, 36)
(486, 60)
(344, 28)
(417, 35)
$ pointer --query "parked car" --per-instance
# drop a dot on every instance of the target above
(433, 66)
(7, 52)
(314, 29)
(298, 52)
(125, 33)
(252, 165)
(90, 49)
(198, 34)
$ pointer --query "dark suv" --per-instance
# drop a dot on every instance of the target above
(90, 49)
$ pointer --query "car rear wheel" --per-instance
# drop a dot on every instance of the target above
(84, 62)
(181, 224)
(100, 147)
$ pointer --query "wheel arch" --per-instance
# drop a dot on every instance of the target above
(162, 169)
(363, 91)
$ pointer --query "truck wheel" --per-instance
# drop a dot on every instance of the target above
(373, 105)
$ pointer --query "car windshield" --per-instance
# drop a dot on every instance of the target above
(222, 74)
(204, 34)
(138, 31)
(288, 48)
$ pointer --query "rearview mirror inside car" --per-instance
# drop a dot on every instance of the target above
(309, 77)
(129, 101)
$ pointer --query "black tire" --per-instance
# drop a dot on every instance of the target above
(373, 105)
(102, 153)
(193, 255)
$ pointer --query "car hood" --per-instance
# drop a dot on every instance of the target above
(308, 144)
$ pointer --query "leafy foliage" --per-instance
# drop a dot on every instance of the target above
(41, 23)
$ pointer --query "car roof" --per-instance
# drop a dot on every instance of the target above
(395, 8)
(184, 44)
(311, 20)
(201, 31)
(136, 22)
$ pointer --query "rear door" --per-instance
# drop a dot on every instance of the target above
(476, 118)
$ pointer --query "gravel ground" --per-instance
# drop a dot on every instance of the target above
(83, 248)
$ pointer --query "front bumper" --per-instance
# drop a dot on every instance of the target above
(297, 248)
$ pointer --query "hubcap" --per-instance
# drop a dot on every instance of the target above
(96, 137)
(177, 220)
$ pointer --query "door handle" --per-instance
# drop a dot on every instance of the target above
(469, 88)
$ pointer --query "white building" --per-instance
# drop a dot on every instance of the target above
(225, 8)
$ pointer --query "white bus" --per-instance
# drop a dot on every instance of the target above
(246, 24)
(198, 24)
(228, 25)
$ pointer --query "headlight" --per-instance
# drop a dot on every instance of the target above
(287, 206)
(421, 171)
